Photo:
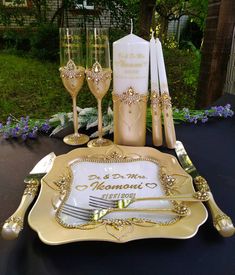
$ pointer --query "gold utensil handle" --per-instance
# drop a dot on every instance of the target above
(221, 221)
(179, 210)
(194, 197)
(14, 224)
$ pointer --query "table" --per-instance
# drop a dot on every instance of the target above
(211, 147)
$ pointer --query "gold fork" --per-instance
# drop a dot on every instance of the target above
(123, 203)
(87, 215)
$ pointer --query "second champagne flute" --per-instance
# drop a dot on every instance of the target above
(98, 74)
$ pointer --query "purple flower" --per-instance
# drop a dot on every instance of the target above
(204, 119)
(23, 128)
(187, 116)
(191, 119)
(14, 133)
(5, 135)
(26, 128)
(45, 127)
(32, 135)
(231, 113)
(24, 137)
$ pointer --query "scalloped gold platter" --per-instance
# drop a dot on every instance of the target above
(114, 173)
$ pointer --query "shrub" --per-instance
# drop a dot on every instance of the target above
(182, 67)
(18, 39)
(45, 42)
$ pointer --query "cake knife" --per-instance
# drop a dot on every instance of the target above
(14, 224)
(221, 221)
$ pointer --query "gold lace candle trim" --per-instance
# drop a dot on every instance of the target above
(130, 97)
(156, 101)
(156, 105)
(130, 110)
(166, 100)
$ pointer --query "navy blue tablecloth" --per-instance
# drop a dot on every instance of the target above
(212, 149)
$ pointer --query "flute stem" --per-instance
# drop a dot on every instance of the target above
(75, 116)
(100, 119)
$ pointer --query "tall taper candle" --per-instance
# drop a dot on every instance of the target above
(155, 97)
(165, 99)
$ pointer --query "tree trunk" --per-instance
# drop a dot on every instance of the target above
(147, 8)
(163, 27)
(215, 50)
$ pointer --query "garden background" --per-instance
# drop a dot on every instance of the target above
(29, 49)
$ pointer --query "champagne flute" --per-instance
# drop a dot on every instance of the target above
(98, 74)
(72, 74)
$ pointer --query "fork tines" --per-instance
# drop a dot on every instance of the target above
(101, 203)
(77, 212)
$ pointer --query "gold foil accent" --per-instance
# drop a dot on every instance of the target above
(156, 108)
(156, 101)
(166, 100)
(64, 181)
(15, 220)
(98, 80)
(222, 221)
(130, 97)
(119, 228)
(169, 182)
(180, 209)
(71, 70)
(32, 187)
(72, 77)
(130, 118)
(201, 195)
(97, 74)
(201, 184)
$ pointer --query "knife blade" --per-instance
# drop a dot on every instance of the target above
(221, 221)
(14, 224)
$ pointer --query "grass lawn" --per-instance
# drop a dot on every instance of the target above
(34, 88)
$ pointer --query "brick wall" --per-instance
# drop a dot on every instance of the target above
(72, 18)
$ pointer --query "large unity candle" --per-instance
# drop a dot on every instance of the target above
(130, 89)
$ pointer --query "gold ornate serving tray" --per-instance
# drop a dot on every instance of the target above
(114, 173)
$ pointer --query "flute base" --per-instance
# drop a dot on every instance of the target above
(76, 139)
(99, 142)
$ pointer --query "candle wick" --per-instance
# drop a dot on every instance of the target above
(95, 34)
(68, 42)
(152, 36)
(131, 26)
